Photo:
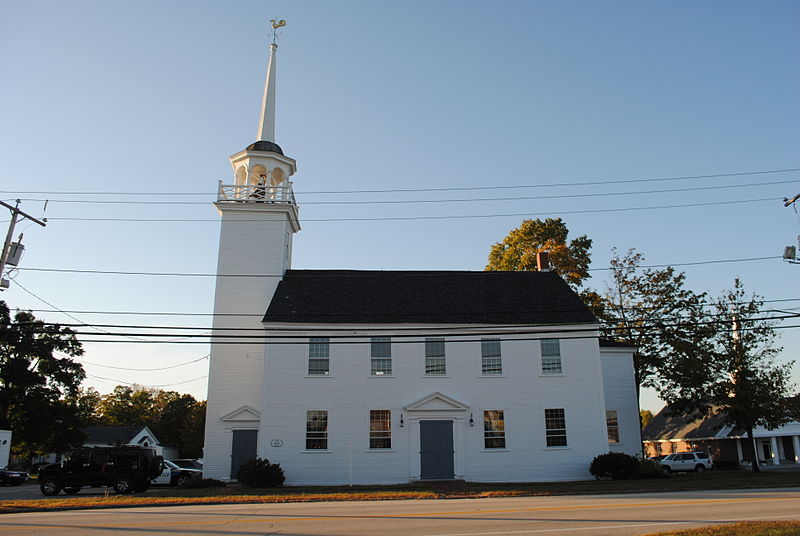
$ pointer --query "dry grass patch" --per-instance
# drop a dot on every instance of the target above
(129, 501)
(434, 490)
(773, 528)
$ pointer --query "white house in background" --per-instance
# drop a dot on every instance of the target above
(104, 436)
(394, 376)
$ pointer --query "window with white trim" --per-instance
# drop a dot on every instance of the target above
(316, 429)
(491, 361)
(319, 363)
(380, 429)
(551, 356)
(555, 426)
(494, 429)
(434, 357)
(612, 425)
(381, 356)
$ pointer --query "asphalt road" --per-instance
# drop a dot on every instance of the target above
(572, 515)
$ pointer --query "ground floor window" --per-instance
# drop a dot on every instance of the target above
(555, 427)
(380, 429)
(316, 430)
(612, 425)
(494, 429)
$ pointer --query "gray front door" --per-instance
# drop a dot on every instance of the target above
(243, 448)
(436, 450)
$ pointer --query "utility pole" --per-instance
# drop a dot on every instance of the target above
(790, 252)
(15, 215)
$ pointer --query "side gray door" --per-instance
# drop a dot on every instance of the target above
(243, 448)
(436, 450)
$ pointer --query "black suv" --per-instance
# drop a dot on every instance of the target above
(127, 469)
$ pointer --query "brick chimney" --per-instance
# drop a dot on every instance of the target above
(542, 262)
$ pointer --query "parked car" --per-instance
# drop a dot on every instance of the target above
(686, 461)
(188, 463)
(15, 478)
(126, 469)
(174, 475)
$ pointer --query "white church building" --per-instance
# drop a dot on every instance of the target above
(370, 377)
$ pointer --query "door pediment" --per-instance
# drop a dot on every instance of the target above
(437, 402)
(242, 414)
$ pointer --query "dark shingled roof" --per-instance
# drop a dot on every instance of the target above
(266, 146)
(377, 297)
(670, 425)
(111, 435)
(607, 343)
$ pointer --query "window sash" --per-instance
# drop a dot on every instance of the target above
(550, 347)
(319, 347)
(381, 356)
(551, 365)
(435, 364)
(319, 367)
(555, 427)
(380, 429)
(551, 356)
(491, 361)
(316, 430)
(494, 429)
(612, 424)
(319, 356)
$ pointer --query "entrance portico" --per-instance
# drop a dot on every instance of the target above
(437, 429)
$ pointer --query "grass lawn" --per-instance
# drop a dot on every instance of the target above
(775, 528)
(235, 494)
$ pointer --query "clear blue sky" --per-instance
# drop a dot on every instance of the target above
(153, 96)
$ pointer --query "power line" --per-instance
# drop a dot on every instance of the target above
(199, 274)
(146, 369)
(53, 306)
(270, 343)
(435, 201)
(259, 315)
(148, 385)
(489, 326)
(421, 332)
(433, 218)
(432, 189)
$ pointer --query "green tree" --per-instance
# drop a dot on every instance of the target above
(735, 373)
(517, 251)
(653, 311)
(127, 406)
(40, 397)
(176, 419)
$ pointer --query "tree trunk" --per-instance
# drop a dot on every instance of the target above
(752, 439)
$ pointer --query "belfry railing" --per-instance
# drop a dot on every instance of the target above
(255, 193)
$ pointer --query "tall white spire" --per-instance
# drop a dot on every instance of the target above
(266, 127)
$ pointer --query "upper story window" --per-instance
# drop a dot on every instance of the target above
(491, 362)
(381, 356)
(551, 356)
(319, 356)
(612, 425)
(494, 429)
(316, 430)
(434, 357)
(555, 425)
(380, 429)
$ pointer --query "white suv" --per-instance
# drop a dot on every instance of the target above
(686, 461)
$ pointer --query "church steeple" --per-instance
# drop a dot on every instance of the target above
(261, 172)
(266, 127)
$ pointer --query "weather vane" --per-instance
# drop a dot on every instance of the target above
(276, 23)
